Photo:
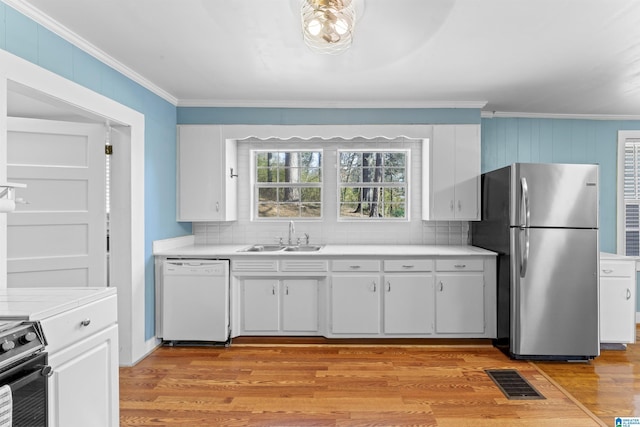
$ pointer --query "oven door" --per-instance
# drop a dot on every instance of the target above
(29, 389)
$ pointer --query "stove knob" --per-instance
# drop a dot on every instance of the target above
(7, 345)
(28, 337)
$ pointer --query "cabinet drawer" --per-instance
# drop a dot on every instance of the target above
(617, 268)
(65, 329)
(355, 265)
(461, 264)
(304, 265)
(254, 265)
(408, 265)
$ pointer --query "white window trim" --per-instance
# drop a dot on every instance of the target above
(623, 136)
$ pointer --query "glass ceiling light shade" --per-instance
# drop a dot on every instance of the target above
(327, 25)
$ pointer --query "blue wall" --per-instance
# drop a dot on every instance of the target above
(323, 116)
(509, 140)
(23, 37)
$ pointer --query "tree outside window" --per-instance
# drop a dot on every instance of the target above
(288, 184)
(372, 184)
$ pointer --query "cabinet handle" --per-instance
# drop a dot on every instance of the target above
(460, 265)
(273, 289)
(451, 206)
(286, 290)
(388, 286)
(85, 322)
(407, 266)
(459, 206)
(232, 175)
(628, 293)
(441, 286)
(217, 206)
(375, 286)
(354, 266)
(607, 271)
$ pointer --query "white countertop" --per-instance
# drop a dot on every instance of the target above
(226, 251)
(40, 303)
(607, 255)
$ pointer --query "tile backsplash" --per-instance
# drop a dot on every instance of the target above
(329, 230)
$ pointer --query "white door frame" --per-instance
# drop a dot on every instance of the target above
(128, 275)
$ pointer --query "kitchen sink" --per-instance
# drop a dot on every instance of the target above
(276, 248)
(306, 248)
(263, 248)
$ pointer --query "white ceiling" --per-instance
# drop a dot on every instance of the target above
(525, 56)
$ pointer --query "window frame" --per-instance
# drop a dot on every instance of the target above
(255, 185)
(406, 184)
(621, 228)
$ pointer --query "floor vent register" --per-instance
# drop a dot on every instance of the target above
(513, 385)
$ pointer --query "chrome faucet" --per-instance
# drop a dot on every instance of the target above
(292, 230)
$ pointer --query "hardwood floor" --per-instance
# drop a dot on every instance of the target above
(288, 384)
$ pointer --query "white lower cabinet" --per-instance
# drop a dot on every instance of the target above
(618, 301)
(404, 298)
(83, 354)
(299, 305)
(460, 296)
(355, 304)
(279, 305)
(408, 304)
(460, 304)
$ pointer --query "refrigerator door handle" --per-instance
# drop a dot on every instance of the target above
(525, 213)
(525, 254)
(524, 226)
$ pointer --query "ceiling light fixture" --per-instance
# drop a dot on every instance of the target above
(327, 25)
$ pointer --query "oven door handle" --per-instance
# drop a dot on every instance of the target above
(42, 371)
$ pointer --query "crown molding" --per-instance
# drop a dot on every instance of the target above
(520, 115)
(41, 18)
(328, 104)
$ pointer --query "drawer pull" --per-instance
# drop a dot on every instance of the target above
(407, 266)
(628, 294)
(85, 322)
(354, 266)
(460, 265)
(607, 271)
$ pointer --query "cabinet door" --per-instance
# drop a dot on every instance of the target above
(467, 172)
(459, 303)
(83, 390)
(300, 305)
(443, 178)
(617, 310)
(260, 305)
(408, 304)
(206, 187)
(355, 304)
(453, 165)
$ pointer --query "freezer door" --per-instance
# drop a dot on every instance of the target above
(554, 291)
(554, 195)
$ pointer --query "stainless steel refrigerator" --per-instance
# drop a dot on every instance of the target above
(542, 220)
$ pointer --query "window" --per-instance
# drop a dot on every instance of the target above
(631, 196)
(288, 184)
(372, 184)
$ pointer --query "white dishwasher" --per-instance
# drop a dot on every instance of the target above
(195, 300)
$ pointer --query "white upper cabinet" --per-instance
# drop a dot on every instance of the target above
(207, 189)
(451, 174)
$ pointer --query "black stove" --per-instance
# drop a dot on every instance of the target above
(19, 340)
